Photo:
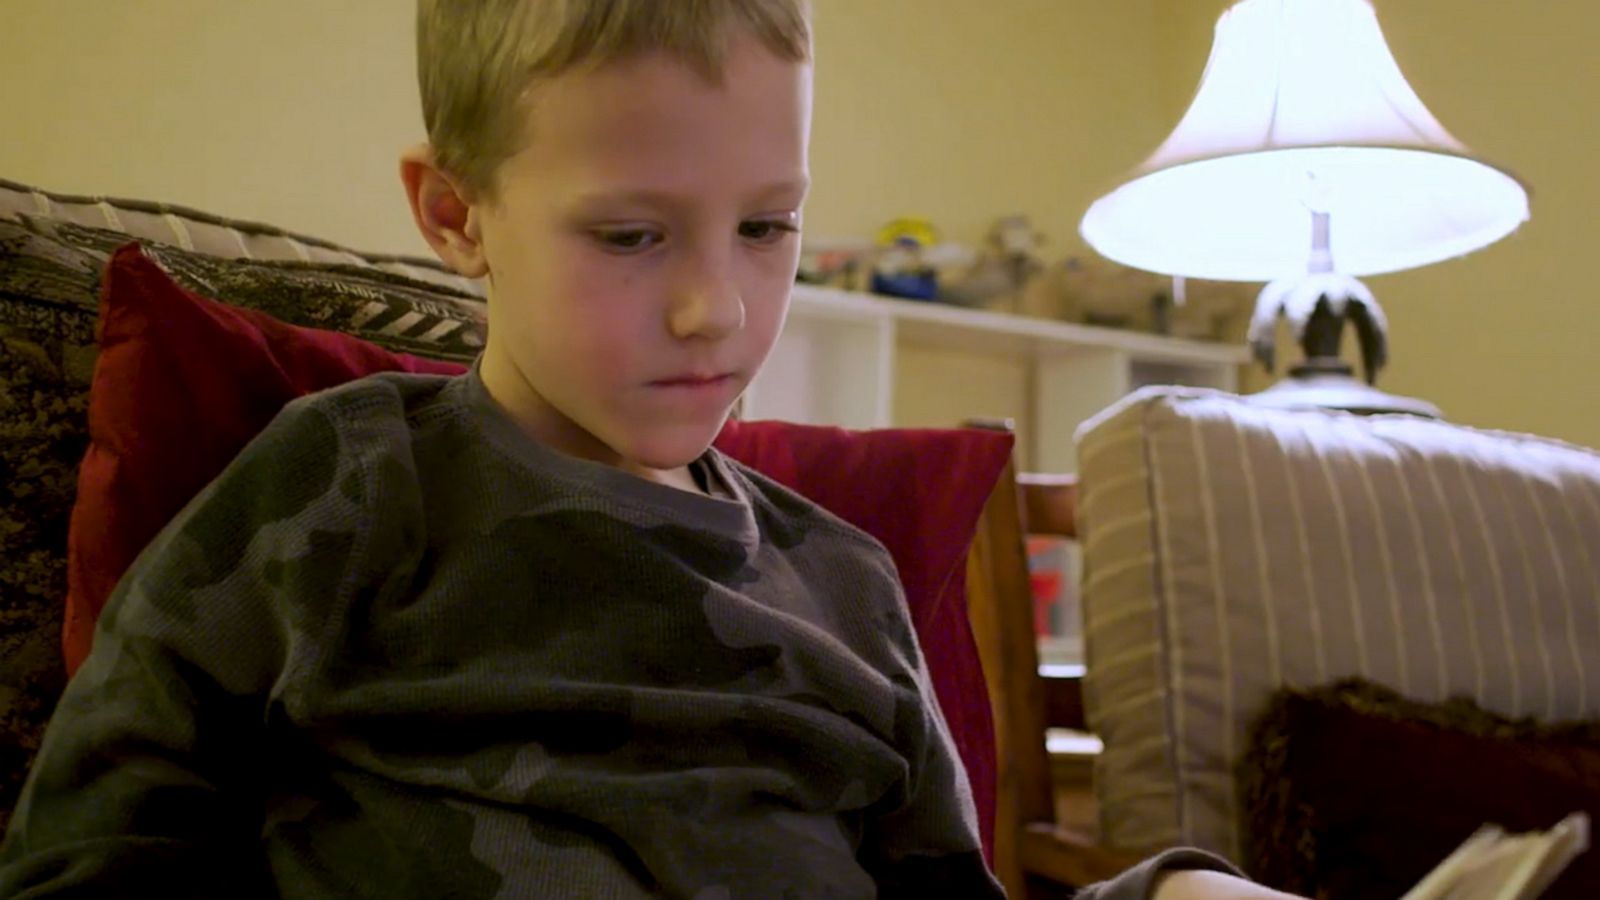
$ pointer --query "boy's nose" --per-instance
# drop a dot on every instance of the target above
(709, 307)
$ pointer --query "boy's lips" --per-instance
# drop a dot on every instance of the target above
(694, 380)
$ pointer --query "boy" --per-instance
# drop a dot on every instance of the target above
(521, 633)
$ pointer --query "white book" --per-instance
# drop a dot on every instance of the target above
(1494, 865)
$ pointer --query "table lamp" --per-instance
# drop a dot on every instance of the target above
(1306, 160)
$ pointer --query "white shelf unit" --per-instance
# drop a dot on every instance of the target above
(840, 354)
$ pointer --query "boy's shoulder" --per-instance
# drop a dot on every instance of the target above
(794, 511)
(357, 423)
(377, 396)
(375, 410)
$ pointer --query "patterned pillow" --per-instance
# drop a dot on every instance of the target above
(390, 310)
(50, 276)
(46, 358)
(47, 352)
(157, 222)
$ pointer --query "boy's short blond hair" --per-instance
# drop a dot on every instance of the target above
(476, 59)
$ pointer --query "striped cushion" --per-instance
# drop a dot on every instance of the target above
(213, 235)
(1230, 549)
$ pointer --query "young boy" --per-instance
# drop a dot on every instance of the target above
(521, 633)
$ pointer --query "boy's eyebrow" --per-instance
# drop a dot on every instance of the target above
(648, 197)
(797, 185)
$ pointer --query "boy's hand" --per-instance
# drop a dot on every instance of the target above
(1204, 885)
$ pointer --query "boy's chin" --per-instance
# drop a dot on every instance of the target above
(669, 448)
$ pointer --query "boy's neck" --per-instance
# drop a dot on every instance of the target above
(515, 398)
(682, 478)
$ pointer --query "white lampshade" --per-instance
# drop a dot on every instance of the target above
(1303, 107)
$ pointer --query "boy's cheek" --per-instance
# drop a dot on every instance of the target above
(603, 322)
(772, 306)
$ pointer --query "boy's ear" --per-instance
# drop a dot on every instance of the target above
(447, 218)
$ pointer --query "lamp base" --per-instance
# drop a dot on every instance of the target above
(1319, 306)
(1342, 391)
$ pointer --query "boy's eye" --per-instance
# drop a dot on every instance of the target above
(627, 240)
(766, 231)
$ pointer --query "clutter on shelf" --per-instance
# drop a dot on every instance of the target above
(1011, 274)
(1000, 273)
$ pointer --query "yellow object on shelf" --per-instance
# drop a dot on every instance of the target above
(908, 229)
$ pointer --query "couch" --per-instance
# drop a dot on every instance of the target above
(1330, 646)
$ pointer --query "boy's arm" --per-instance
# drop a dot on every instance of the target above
(1180, 874)
(925, 843)
(150, 778)
(898, 845)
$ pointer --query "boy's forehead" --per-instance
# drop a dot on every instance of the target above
(601, 195)
(750, 75)
(654, 112)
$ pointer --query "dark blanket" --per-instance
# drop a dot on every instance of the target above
(1352, 791)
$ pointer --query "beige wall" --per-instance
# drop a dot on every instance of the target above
(967, 113)
(963, 111)
(1507, 337)
(287, 111)
(292, 111)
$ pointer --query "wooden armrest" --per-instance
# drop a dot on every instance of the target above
(1049, 503)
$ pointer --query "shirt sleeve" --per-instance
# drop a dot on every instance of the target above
(1138, 882)
(148, 780)
(925, 843)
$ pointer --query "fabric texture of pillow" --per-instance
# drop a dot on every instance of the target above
(1352, 791)
(1230, 549)
(170, 358)
(46, 357)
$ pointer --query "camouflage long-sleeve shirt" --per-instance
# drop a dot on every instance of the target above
(399, 650)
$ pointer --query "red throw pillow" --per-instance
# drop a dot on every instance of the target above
(183, 382)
